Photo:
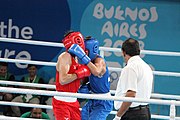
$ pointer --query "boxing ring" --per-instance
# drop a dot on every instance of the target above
(172, 102)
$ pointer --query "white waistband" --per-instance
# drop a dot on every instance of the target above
(66, 99)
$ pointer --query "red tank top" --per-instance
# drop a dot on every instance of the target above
(70, 87)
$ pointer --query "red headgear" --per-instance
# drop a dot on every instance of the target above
(74, 38)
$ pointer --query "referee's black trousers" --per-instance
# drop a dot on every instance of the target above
(137, 113)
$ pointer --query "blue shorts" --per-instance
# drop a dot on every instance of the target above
(96, 109)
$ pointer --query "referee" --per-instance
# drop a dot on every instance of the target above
(135, 81)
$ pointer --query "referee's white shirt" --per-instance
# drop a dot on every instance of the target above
(136, 76)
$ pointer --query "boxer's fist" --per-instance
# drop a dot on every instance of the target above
(82, 71)
(79, 52)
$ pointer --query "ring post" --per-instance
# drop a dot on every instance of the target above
(172, 110)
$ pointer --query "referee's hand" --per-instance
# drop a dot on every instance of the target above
(117, 118)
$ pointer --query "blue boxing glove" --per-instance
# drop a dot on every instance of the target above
(79, 52)
(85, 88)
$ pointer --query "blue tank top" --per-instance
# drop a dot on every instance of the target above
(100, 84)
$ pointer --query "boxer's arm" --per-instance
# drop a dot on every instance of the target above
(98, 68)
(63, 66)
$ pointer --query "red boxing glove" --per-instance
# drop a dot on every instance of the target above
(82, 71)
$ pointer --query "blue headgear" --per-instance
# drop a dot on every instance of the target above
(92, 45)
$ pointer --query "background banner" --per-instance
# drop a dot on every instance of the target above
(155, 24)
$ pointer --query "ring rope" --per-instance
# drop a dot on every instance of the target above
(175, 74)
(16, 118)
(31, 42)
(37, 85)
(28, 62)
(51, 93)
(53, 44)
(25, 105)
(88, 96)
(50, 107)
(172, 103)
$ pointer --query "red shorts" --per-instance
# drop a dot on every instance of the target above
(64, 110)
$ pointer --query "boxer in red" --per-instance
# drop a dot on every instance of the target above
(68, 75)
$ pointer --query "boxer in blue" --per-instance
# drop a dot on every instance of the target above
(98, 80)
